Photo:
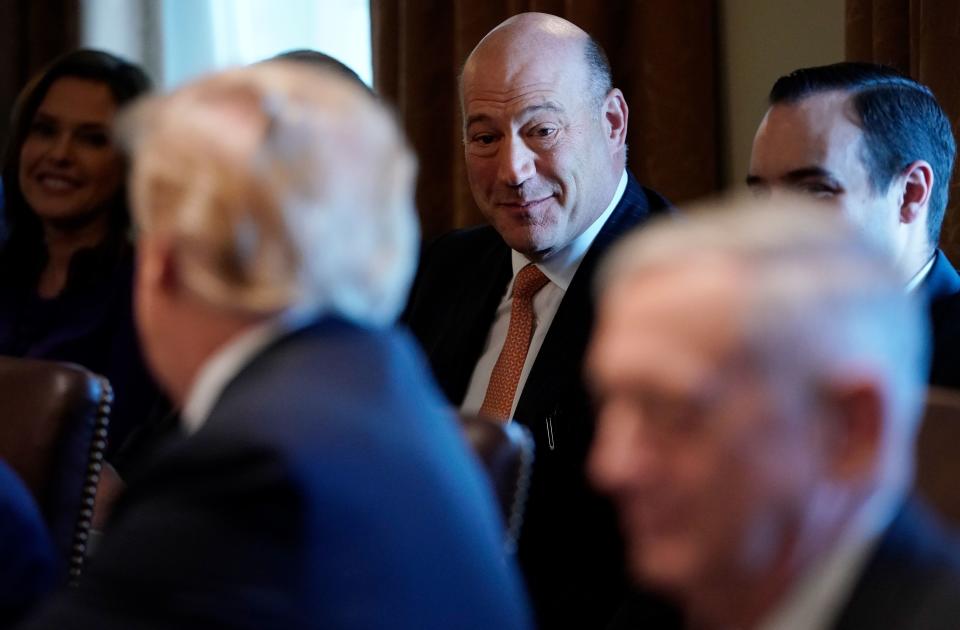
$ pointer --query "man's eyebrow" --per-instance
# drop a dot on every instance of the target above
(794, 176)
(807, 173)
(546, 105)
(526, 111)
(477, 118)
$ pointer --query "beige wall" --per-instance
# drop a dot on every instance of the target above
(762, 40)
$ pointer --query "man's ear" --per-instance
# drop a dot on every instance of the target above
(854, 426)
(156, 264)
(918, 180)
(615, 117)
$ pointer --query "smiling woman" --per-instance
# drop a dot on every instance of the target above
(66, 262)
(69, 170)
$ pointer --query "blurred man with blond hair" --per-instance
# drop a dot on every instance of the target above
(321, 484)
(759, 374)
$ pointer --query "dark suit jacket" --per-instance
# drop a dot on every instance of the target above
(90, 323)
(569, 548)
(912, 580)
(942, 287)
(329, 488)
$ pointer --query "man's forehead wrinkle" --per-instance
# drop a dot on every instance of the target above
(503, 79)
(512, 65)
(805, 135)
(536, 93)
(673, 301)
(505, 58)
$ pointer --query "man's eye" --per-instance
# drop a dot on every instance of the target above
(484, 139)
(543, 132)
(818, 189)
(673, 416)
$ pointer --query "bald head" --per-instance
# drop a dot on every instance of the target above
(541, 38)
(544, 134)
(532, 30)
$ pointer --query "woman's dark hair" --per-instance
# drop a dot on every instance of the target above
(19, 227)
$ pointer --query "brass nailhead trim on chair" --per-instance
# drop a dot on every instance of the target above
(98, 444)
(522, 489)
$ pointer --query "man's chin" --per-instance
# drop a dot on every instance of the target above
(667, 568)
(529, 243)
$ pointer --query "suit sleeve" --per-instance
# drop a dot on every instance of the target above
(202, 541)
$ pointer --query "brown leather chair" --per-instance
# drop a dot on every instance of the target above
(506, 451)
(53, 431)
(938, 454)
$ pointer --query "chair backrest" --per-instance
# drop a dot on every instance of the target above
(53, 431)
(506, 451)
(938, 454)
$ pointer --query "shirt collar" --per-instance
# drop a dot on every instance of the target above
(227, 362)
(561, 266)
(921, 275)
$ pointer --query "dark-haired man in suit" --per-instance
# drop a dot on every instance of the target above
(877, 146)
(504, 311)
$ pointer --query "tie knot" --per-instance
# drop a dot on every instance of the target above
(529, 280)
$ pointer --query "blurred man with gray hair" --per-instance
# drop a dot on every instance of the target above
(759, 373)
(322, 483)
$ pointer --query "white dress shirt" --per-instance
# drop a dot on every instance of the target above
(559, 269)
(921, 275)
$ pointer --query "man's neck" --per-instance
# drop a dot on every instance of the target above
(750, 599)
(920, 274)
(740, 603)
(564, 262)
(229, 356)
(915, 255)
(209, 335)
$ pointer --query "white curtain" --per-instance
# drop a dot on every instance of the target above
(177, 40)
(129, 28)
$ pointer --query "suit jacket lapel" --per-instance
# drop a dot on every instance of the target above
(468, 329)
(943, 280)
(563, 348)
(913, 559)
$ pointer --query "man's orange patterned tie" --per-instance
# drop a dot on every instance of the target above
(498, 401)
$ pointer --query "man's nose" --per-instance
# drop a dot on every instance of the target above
(622, 454)
(517, 162)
